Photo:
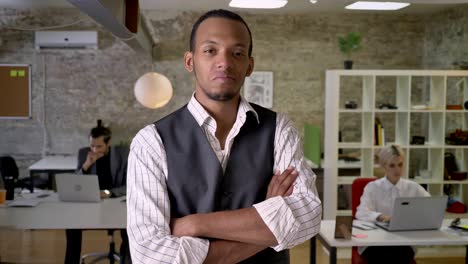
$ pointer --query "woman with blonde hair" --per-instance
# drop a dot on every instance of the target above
(377, 204)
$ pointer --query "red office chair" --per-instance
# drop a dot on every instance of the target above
(357, 189)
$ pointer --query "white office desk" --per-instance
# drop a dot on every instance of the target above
(380, 237)
(52, 165)
(59, 162)
(52, 214)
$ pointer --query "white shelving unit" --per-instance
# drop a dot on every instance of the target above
(405, 89)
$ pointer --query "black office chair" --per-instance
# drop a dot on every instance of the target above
(10, 174)
(111, 254)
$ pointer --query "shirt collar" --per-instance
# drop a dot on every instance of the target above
(201, 115)
(388, 185)
(245, 107)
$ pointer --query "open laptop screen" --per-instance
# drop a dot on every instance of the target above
(77, 187)
(417, 213)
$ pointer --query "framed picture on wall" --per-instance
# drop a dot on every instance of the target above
(258, 88)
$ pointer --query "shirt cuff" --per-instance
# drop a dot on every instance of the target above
(374, 216)
(279, 219)
(195, 250)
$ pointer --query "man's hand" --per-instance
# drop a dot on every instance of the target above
(384, 218)
(105, 194)
(282, 184)
(91, 159)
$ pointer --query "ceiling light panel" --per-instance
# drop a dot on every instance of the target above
(368, 5)
(262, 4)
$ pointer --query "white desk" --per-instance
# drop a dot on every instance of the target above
(52, 165)
(380, 237)
(52, 214)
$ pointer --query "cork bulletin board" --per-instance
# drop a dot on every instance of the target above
(15, 91)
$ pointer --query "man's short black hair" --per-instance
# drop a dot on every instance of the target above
(101, 130)
(218, 13)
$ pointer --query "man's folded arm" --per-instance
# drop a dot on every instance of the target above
(148, 213)
(296, 218)
(279, 222)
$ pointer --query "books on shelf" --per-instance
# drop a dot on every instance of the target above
(379, 133)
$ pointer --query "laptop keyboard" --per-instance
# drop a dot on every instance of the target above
(384, 223)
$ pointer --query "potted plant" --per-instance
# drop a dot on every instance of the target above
(349, 44)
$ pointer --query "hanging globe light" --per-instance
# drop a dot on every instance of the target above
(153, 90)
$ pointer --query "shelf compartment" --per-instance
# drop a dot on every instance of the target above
(385, 91)
(403, 92)
(426, 164)
(428, 125)
(402, 129)
(348, 87)
(437, 92)
(457, 91)
(419, 91)
(349, 172)
(388, 122)
(355, 129)
(456, 192)
(454, 121)
(343, 201)
(461, 157)
(428, 91)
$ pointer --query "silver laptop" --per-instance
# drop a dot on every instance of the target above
(416, 213)
(77, 188)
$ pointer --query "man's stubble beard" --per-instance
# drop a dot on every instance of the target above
(220, 97)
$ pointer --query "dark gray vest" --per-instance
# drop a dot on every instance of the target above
(196, 182)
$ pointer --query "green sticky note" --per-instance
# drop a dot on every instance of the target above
(21, 73)
(13, 73)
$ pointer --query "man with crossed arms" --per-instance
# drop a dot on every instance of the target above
(203, 183)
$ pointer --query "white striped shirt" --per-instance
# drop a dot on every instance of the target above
(292, 219)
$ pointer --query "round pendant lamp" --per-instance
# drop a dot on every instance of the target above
(153, 90)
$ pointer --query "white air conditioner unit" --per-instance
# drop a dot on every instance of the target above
(66, 40)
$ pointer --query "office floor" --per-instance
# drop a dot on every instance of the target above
(49, 247)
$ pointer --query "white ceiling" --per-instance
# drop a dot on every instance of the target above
(293, 6)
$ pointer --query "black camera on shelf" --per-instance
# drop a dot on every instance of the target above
(350, 105)
(387, 106)
(417, 140)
